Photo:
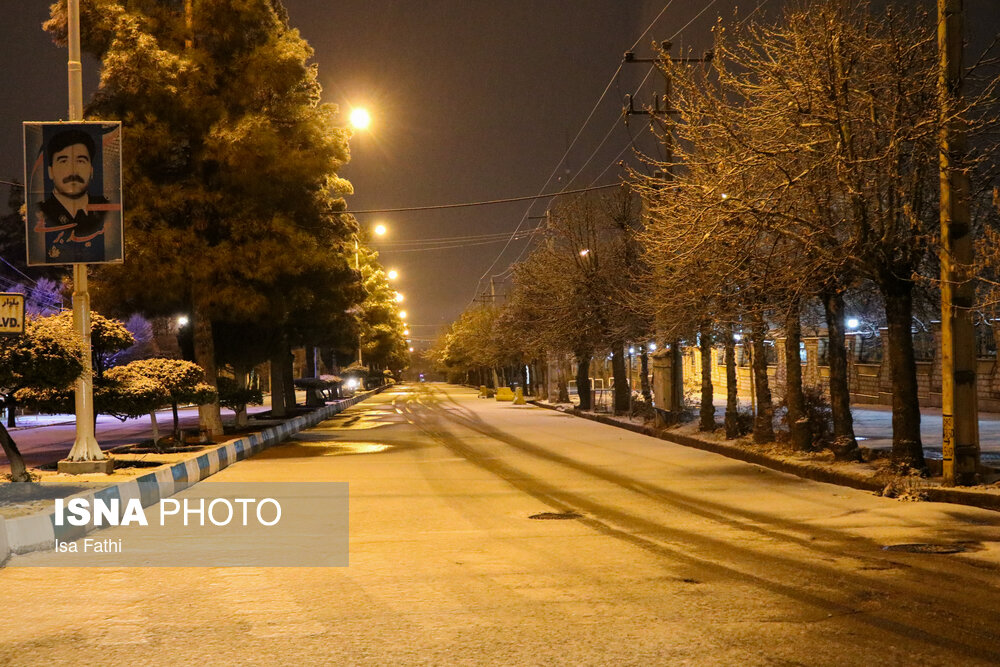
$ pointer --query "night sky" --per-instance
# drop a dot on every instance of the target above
(471, 100)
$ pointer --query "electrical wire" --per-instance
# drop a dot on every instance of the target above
(572, 143)
(32, 280)
(465, 244)
(488, 202)
(391, 245)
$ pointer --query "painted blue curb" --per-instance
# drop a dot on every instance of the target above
(38, 532)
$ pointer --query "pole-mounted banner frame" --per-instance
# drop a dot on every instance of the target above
(73, 188)
(11, 314)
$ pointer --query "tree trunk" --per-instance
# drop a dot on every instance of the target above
(732, 393)
(583, 380)
(647, 392)
(677, 377)
(707, 390)
(313, 398)
(240, 418)
(11, 406)
(907, 448)
(177, 423)
(278, 408)
(795, 403)
(618, 371)
(763, 424)
(845, 445)
(18, 471)
(155, 428)
(288, 369)
(561, 379)
(209, 415)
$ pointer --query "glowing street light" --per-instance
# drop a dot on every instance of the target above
(360, 118)
(402, 314)
(380, 230)
(399, 298)
(406, 332)
(584, 252)
(411, 349)
(393, 274)
(182, 321)
(852, 323)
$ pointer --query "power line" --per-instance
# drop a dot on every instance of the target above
(33, 281)
(456, 239)
(437, 207)
(451, 246)
(573, 143)
(631, 143)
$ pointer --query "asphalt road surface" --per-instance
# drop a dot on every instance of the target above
(676, 556)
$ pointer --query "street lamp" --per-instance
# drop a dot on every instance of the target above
(399, 298)
(402, 314)
(380, 230)
(360, 118)
(393, 274)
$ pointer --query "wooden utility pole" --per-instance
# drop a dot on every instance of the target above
(960, 413)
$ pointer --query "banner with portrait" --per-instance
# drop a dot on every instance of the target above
(73, 188)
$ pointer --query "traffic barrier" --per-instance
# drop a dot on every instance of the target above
(504, 394)
(519, 397)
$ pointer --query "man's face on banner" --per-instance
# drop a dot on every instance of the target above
(71, 171)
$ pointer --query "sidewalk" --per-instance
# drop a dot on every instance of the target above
(874, 475)
(873, 427)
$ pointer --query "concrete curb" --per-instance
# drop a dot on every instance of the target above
(959, 496)
(38, 532)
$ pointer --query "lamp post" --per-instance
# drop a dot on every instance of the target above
(380, 230)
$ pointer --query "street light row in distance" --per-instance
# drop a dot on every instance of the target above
(361, 120)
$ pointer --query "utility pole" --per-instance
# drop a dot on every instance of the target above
(86, 454)
(662, 109)
(960, 413)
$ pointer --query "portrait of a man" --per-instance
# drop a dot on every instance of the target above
(71, 220)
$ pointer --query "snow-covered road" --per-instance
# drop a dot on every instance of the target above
(672, 556)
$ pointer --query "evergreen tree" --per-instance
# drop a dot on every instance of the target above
(232, 194)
